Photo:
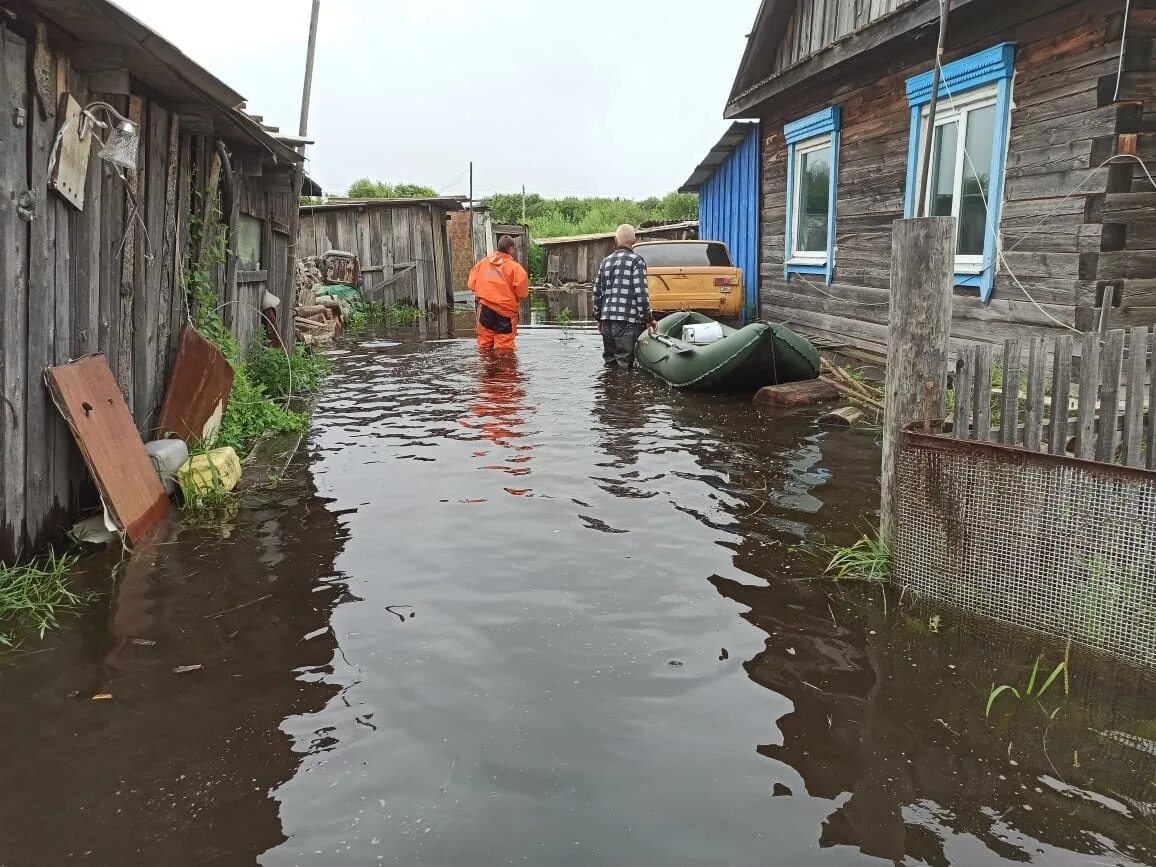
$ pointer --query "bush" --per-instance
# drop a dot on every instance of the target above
(301, 373)
(252, 413)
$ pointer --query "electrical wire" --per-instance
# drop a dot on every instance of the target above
(284, 348)
(1123, 39)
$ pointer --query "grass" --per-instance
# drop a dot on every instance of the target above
(34, 597)
(1033, 689)
(301, 373)
(208, 507)
(399, 315)
(868, 559)
(252, 413)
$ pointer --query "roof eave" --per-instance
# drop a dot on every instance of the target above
(869, 38)
(735, 135)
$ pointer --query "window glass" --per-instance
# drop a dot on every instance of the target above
(814, 200)
(943, 170)
(248, 245)
(976, 174)
(684, 255)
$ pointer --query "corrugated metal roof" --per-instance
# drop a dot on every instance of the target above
(449, 203)
(735, 135)
(599, 236)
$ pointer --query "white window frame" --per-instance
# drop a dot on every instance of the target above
(951, 110)
(808, 257)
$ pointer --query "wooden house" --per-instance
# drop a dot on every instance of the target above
(575, 259)
(103, 241)
(1043, 143)
(403, 246)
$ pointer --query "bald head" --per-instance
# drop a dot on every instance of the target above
(625, 236)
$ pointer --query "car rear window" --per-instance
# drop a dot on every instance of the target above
(685, 255)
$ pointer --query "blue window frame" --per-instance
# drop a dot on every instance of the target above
(812, 180)
(968, 155)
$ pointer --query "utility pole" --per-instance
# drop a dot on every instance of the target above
(303, 129)
(473, 249)
(921, 202)
(523, 204)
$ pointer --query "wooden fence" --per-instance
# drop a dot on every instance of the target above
(1098, 404)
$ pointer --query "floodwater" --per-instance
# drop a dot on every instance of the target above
(524, 611)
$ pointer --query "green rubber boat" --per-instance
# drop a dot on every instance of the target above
(743, 359)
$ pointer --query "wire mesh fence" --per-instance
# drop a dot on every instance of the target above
(1047, 542)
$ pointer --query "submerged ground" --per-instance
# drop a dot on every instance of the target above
(528, 612)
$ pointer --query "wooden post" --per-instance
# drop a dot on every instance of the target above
(307, 89)
(919, 329)
(921, 202)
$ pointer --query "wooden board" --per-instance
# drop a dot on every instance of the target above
(13, 293)
(87, 396)
(199, 388)
(70, 173)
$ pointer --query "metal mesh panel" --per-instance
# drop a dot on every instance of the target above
(1053, 544)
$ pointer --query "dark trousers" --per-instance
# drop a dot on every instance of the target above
(618, 341)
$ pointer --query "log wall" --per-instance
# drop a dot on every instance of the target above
(1067, 226)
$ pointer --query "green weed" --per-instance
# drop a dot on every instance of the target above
(399, 315)
(35, 596)
(251, 413)
(302, 372)
(869, 559)
(1034, 689)
(211, 506)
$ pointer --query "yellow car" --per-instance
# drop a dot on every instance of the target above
(692, 275)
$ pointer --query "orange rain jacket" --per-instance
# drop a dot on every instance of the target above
(500, 283)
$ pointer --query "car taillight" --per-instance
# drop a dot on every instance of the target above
(726, 281)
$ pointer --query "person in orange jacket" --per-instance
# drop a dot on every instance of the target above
(499, 284)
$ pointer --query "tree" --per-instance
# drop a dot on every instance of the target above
(364, 188)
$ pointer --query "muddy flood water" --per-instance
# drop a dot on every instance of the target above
(530, 612)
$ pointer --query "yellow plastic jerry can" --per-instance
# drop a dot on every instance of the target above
(218, 470)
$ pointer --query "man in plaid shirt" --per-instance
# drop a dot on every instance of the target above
(621, 301)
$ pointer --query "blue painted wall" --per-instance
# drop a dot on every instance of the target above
(728, 211)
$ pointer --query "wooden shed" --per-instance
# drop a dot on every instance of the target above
(403, 245)
(468, 247)
(576, 259)
(91, 261)
(1045, 114)
(521, 236)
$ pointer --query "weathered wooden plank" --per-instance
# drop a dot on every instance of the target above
(1061, 394)
(86, 270)
(131, 252)
(1151, 440)
(1134, 397)
(1034, 415)
(180, 304)
(1089, 388)
(169, 288)
(964, 395)
(147, 290)
(1111, 361)
(13, 289)
(39, 481)
(982, 396)
(60, 438)
(1010, 403)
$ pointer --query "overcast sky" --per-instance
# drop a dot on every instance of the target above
(569, 97)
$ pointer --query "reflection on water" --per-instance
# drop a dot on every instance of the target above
(562, 617)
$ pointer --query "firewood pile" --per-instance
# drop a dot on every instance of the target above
(320, 318)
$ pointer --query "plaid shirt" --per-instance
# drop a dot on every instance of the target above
(620, 289)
